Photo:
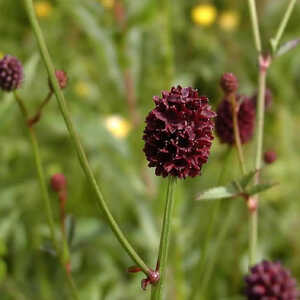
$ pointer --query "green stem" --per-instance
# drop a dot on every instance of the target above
(253, 232)
(45, 195)
(260, 118)
(255, 26)
(201, 271)
(157, 290)
(237, 137)
(101, 204)
(275, 41)
(253, 237)
(39, 168)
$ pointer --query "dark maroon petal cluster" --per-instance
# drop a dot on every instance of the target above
(270, 156)
(270, 281)
(58, 182)
(229, 83)
(268, 99)
(11, 73)
(62, 79)
(246, 120)
(178, 133)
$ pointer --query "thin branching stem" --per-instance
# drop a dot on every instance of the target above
(101, 203)
(276, 40)
(255, 24)
(236, 130)
(63, 256)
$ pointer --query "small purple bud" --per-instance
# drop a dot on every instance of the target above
(11, 73)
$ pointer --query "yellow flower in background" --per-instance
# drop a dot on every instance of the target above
(82, 89)
(1, 55)
(204, 14)
(118, 126)
(229, 20)
(43, 9)
(107, 3)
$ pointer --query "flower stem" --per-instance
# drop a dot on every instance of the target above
(275, 41)
(236, 130)
(45, 195)
(101, 204)
(157, 290)
(255, 26)
(40, 172)
(39, 111)
(264, 63)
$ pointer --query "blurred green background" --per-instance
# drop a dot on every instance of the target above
(118, 55)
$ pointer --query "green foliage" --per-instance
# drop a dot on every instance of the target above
(235, 189)
(85, 40)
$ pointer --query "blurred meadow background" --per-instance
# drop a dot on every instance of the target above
(118, 54)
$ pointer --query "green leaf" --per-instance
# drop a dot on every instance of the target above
(246, 179)
(256, 189)
(288, 46)
(220, 192)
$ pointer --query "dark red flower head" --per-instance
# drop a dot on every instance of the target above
(58, 182)
(246, 120)
(268, 99)
(229, 83)
(178, 134)
(11, 73)
(62, 79)
(270, 156)
(269, 280)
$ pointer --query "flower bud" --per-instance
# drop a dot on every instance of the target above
(62, 79)
(270, 280)
(58, 182)
(11, 73)
(270, 156)
(229, 83)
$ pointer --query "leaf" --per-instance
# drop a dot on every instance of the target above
(256, 189)
(220, 192)
(286, 47)
(246, 179)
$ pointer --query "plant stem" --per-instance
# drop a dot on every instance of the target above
(253, 236)
(275, 41)
(236, 130)
(264, 63)
(39, 111)
(101, 204)
(39, 168)
(255, 26)
(157, 290)
(45, 195)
